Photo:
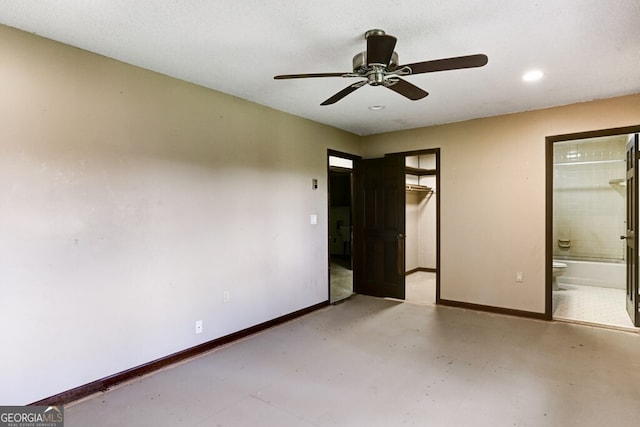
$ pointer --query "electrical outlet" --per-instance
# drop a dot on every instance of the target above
(225, 296)
(519, 277)
(198, 326)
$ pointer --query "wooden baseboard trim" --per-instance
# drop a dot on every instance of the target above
(112, 380)
(424, 269)
(496, 310)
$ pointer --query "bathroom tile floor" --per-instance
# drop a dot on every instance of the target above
(379, 362)
(591, 304)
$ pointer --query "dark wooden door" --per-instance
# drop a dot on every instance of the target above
(632, 230)
(380, 227)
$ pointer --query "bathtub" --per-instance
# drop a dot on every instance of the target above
(593, 273)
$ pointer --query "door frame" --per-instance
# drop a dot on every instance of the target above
(426, 151)
(549, 141)
(354, 158)
(631, 235)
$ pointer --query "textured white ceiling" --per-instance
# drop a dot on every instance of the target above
(588, 49)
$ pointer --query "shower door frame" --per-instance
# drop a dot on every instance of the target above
(550, 140)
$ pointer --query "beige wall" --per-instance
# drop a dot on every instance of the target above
(130, 201)
(493, 195)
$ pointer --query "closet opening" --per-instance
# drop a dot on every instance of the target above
(397, 226)
(421, 219)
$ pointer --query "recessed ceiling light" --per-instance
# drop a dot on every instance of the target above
(532, 76)
(377, 107)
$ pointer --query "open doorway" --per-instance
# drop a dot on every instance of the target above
(341, 181)
(380, 188)
(591, 231)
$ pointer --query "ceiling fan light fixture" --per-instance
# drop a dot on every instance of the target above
(377, 107)
(533, 76)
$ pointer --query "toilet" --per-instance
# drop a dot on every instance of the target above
(558, 270)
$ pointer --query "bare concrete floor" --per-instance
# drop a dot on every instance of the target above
(420, 288)
(341, 280)
(376, 362)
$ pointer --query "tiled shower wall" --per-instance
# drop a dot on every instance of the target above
(589, 199)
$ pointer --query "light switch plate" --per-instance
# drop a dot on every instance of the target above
(313, 219)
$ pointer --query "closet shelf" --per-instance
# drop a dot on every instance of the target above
(419, 171)
(419, 188)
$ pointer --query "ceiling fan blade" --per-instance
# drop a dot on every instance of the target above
(344, 92)
(304, 76)
(407, 89)
(445, 64)
(379, 49)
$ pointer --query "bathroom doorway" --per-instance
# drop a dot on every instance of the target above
(589, 228)
(340, 188)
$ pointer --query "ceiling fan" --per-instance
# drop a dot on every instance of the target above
(379, 66)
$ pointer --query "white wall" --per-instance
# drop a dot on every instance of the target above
(427, 232)
(427, 219)
(412, 231)
(130, 201)
(492, 194)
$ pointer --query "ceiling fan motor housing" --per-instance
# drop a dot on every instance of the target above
(360, 63)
